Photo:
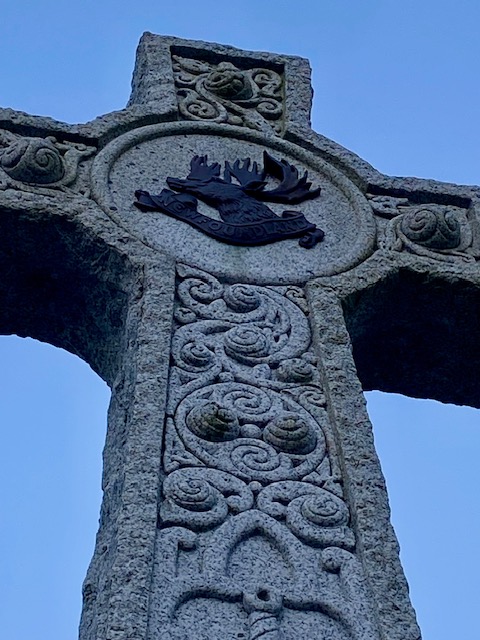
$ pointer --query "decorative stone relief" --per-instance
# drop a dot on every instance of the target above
(254, 531)
(239, 197)
(224, 93)
(441, 232)
(32, 162)
(141, 162)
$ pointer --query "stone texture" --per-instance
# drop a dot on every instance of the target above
(243, 497)
(252, 500)
(141, 159)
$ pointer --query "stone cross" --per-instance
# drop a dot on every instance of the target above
(237, 279)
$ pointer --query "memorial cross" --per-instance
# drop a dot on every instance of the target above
(238, 280)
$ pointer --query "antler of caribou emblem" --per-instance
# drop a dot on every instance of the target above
(239, 197)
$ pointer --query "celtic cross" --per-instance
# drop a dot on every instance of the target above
(238, 280)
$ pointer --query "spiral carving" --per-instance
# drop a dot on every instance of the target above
(268, 81)
(254, 457)
(435, 229)
(269, 109)
(195, 355)
(245, 343)
(251, 325)
(320, 519)
(323, 509)
(249, 432)
(193, 494)
(200, 498)
(242, 298)
(244, 382)
(213, 422)
(198, 289)
(192, 500)
(313, 397)
(195, 107)
(226, 81)
(33, 160)
(312, 514)
(295, 370)
(290, 433)
(224, 93)
(249, 403)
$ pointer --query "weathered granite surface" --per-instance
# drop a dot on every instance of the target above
(243, 497)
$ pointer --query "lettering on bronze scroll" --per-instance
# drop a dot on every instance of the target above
(239, 197)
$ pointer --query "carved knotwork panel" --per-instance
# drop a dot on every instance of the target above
(254, 529)
(224, 93)
(442, 232)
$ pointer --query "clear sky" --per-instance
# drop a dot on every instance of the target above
(396, 82)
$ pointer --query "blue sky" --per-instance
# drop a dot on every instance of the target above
(396, 82)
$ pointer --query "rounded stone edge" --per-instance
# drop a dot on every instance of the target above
(105, 159)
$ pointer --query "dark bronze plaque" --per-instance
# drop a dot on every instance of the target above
(239, 197)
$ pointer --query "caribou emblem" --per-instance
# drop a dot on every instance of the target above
(239, 197)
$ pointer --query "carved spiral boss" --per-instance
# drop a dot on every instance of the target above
(33, 160)
(436, 231)
(431, 228)
(41, 163)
